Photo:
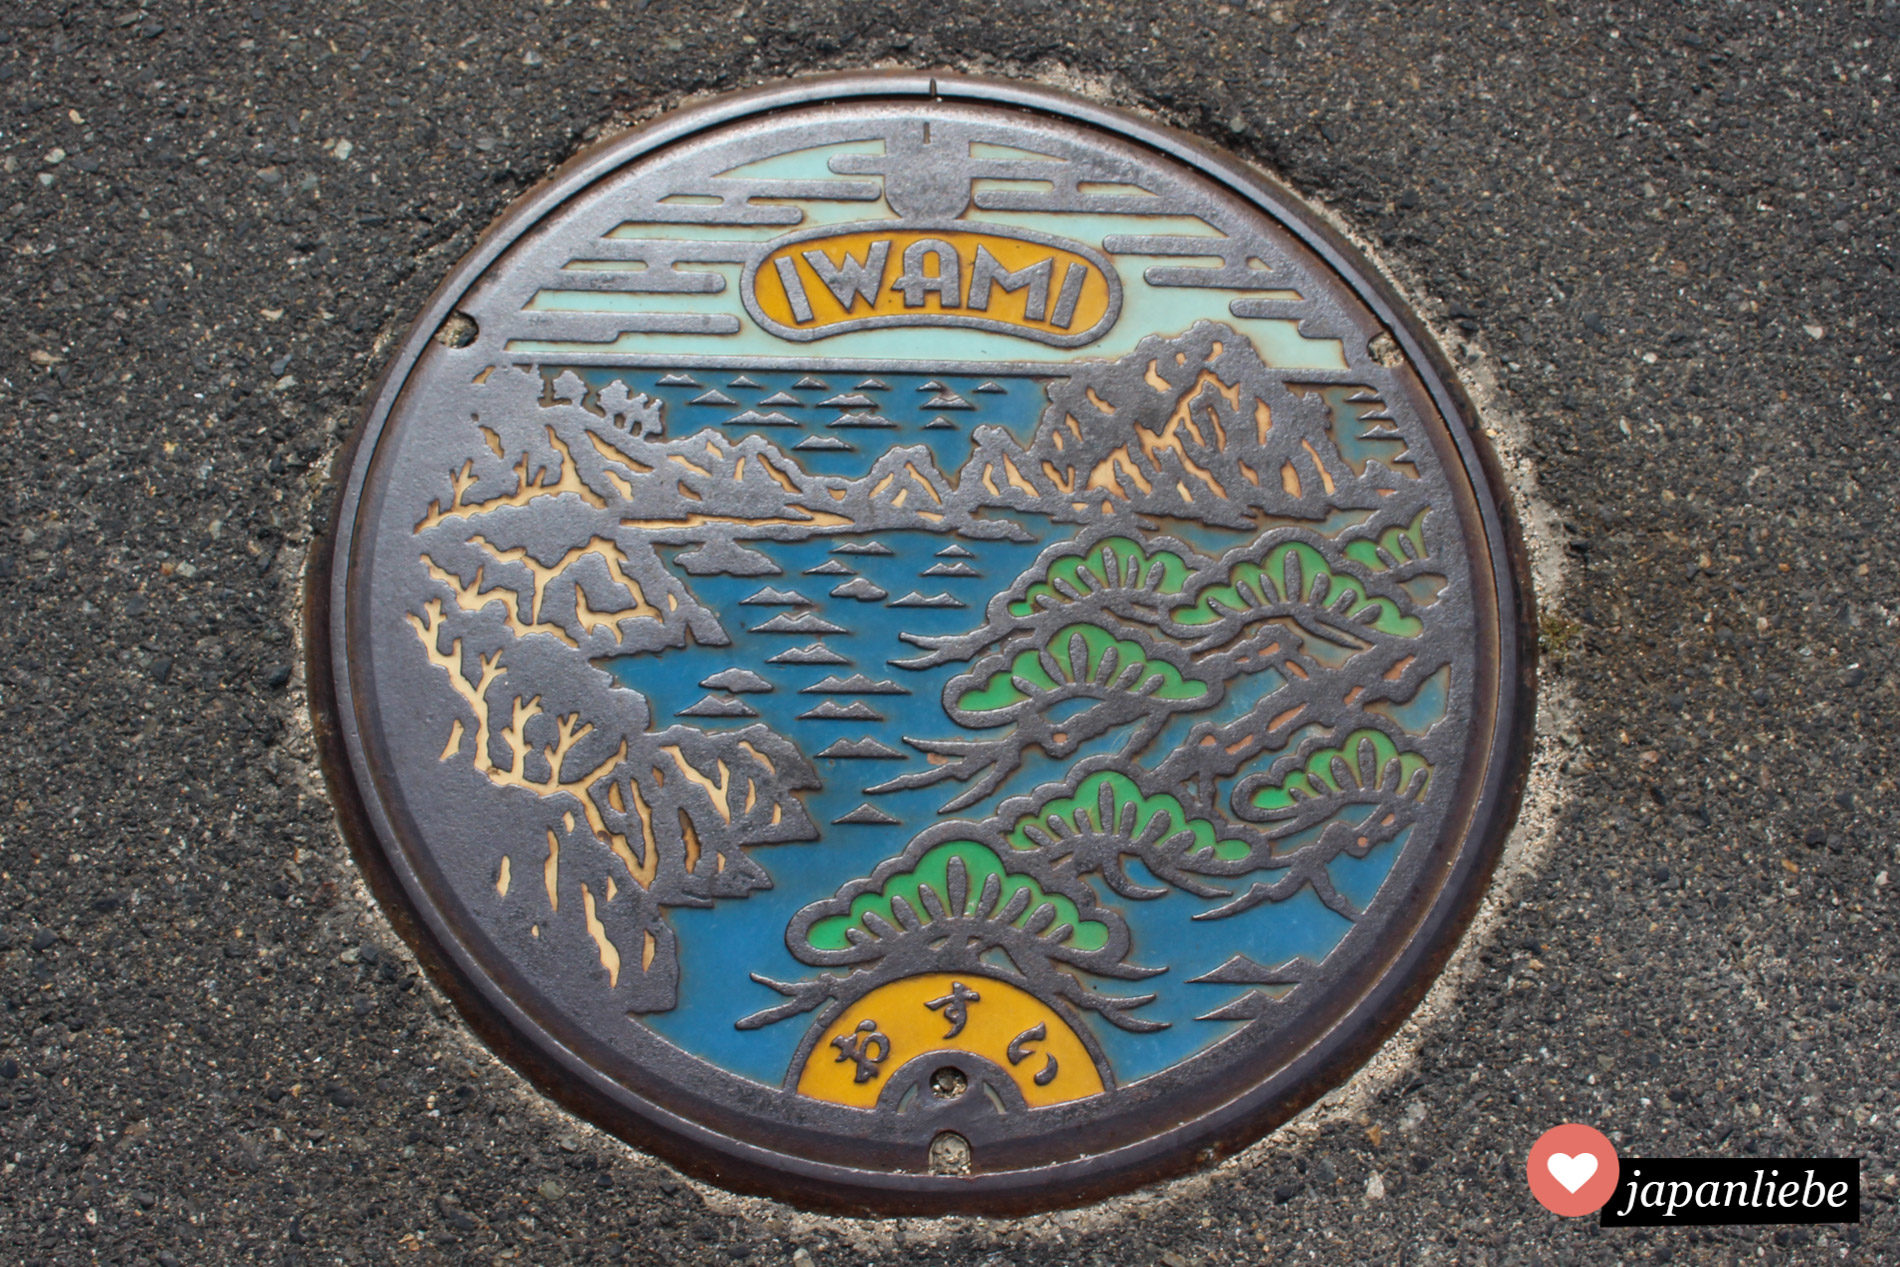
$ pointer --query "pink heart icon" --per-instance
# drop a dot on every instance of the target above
(1572, 1170)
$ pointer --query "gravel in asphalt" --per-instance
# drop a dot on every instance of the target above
(1669, 233)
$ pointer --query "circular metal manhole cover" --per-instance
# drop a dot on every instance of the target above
(924, 645)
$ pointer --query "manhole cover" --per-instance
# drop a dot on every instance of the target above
(924, 645)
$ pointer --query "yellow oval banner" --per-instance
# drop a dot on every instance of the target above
(956, 1016)
(861, 277)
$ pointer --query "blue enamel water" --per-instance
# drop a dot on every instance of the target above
(728, 951)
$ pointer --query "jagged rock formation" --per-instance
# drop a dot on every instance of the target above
(1193, 427)
(632, 819)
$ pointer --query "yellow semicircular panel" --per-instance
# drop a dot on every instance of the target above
(949, 1013)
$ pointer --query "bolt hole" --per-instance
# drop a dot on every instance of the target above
(949, 1154)
(458, 331)
(1385, 350)
(949, 1082)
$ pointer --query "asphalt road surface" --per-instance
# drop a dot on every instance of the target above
(1668, 234)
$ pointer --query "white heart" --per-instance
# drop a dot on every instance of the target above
(1572, 1172)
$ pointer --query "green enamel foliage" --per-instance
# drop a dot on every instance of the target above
(1032, 669)
(1292, 573)
(1357, 764)
(932, 872)
(1084, 811)
(1115, 563)
(1394, 546)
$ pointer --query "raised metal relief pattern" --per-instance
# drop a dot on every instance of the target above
(545, 552)
(1006, 569)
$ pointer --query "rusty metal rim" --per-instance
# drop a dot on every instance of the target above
(565, 1075)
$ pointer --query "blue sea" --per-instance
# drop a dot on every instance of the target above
(720, 947)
